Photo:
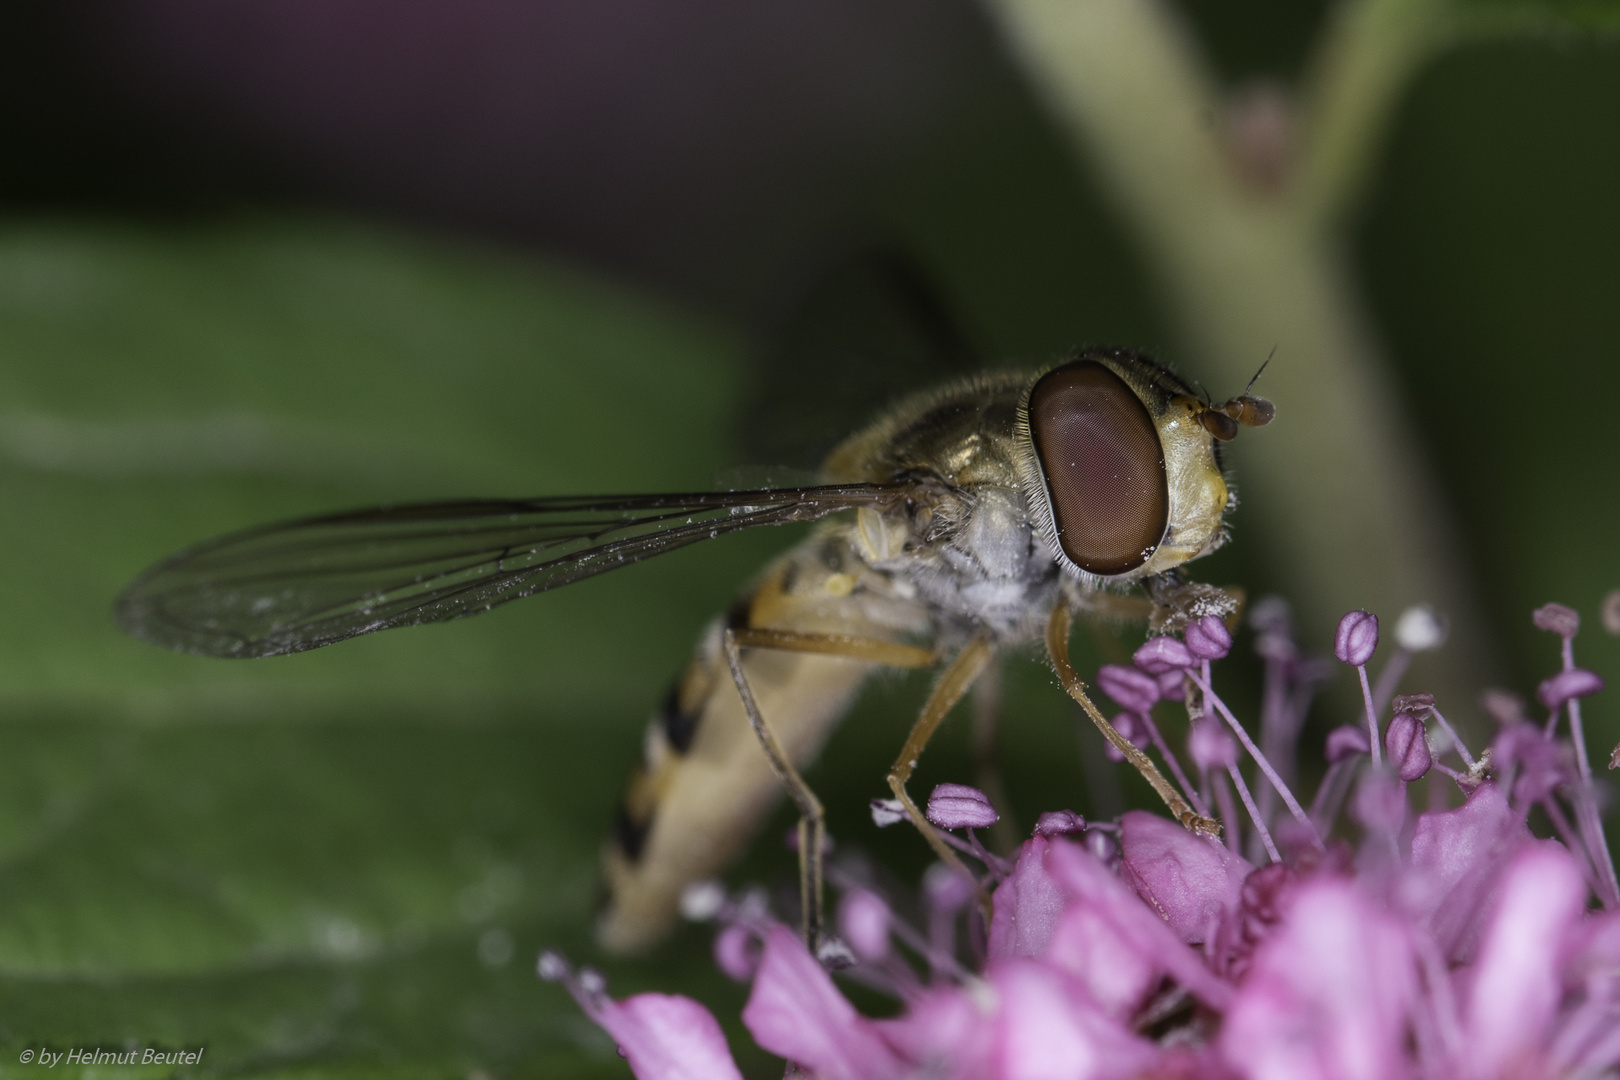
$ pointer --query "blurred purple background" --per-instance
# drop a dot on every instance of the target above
(697, 146)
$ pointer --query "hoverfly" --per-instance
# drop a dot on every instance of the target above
(966, 520)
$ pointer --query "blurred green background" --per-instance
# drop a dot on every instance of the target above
(269, 264)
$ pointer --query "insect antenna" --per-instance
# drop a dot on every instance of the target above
(1257, 374)
(1251, 410)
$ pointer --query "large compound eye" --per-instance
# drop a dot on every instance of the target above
(1104, 467)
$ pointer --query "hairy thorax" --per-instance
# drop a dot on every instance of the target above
(969, 551)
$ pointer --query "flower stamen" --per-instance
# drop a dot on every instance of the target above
(1202, 682)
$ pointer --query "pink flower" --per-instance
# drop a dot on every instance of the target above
(1407, 746)
(1161, 655)
(1132, 688)
(1456, 865)
(1208, 638)
(1562, 687)
(670, 1037)
(1190, 881)
(1046, 1028)
(1345, 742)
(662, 1036)
(1028, 905)
(863, 919)
(1328, 994)
(957, 806)
(798, 1013)
(1453, 943)
(1356, 638)
(1114, 943)
(1513, 993)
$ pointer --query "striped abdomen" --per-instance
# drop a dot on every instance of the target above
(703, 786)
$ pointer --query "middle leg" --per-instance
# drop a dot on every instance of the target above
(953, 684)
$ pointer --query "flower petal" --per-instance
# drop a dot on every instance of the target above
(1047, 1030)
(1327, 994)
(1458, 857)
(736, 952)
(1093, 887)
(1117, 973)
(668, 1037)
(947, 1032)
(1085, 921)
(797, 1013)
(1026, 906)
(864, 920)
(1587, 1040)
(1515, 986)
(1190, 881)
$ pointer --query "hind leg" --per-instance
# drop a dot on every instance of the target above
(812, 818)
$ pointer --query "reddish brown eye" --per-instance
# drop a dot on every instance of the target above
(1103, 464)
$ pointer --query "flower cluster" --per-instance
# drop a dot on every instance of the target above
(1394, 944)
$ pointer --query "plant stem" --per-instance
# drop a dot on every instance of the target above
(1340, 496)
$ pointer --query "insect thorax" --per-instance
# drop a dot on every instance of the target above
(970, 553)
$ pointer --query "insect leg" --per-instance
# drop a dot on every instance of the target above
(952, 685)
(875, 650)
(1057, 647)
(812, 828)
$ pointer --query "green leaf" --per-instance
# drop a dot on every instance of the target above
(161, 388)
(341, 863)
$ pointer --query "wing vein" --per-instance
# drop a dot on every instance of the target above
(308, 583)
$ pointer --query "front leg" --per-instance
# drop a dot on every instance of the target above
(1177, 602)
(1057, 647)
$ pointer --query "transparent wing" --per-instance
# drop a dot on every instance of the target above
(303, 584)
